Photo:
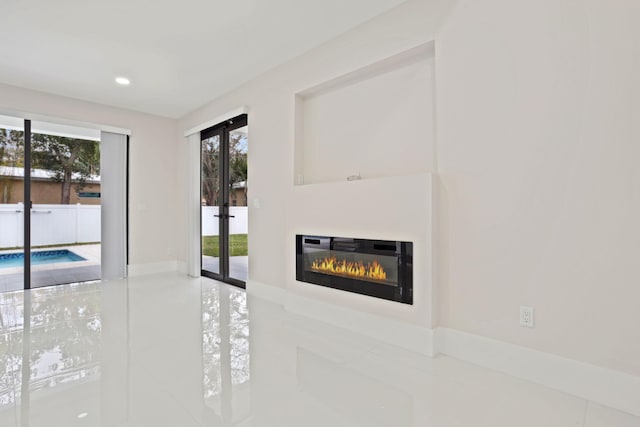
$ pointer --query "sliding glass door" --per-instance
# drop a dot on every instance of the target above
(224, 211)
(65, 207)
(50, 211)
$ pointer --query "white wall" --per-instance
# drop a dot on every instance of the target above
(537, 149)
(153, 169)
(386, 208)
(377, 125)
(539, 145)
(271, 103)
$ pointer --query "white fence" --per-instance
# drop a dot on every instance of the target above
(50, 224)
(68, 224)
(239, 224)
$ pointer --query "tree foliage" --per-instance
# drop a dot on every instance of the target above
(211, 186)
(11, 147)
(71, 160)
(12, 155)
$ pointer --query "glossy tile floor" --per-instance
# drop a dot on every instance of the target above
(174, 351)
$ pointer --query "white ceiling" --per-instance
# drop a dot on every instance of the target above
(178, 54)
(58, 129)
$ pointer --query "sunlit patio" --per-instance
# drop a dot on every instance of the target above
(11, 279)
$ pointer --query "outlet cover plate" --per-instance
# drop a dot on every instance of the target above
(526, 316)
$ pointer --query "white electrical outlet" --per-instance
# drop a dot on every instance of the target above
(526, 316)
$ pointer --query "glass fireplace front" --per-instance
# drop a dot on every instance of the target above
(378, 268)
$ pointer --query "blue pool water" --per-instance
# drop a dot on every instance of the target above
(16, 259)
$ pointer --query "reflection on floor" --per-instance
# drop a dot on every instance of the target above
(173, 351)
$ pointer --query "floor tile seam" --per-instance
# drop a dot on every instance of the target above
(377, 354)
(517, 380)
(185, 409)
(443, 376)
(299, 326)
(591, 403)
(586, 411)
(411, 388)
(337, 365)
(352, 357)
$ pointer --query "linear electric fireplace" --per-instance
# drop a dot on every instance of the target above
(378, 268)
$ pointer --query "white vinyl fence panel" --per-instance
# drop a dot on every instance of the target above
(10, 226)
(50, 224)
(239, 224)
(68, 224)
(88, 224)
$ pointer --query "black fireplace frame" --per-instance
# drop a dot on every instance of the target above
(402, 251)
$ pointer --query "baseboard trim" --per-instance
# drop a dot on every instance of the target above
(135, 270)
(604, 386)
(181, 267)
(266, 292)
(607, 387)
(401, 334)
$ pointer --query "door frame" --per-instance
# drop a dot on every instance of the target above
(223, 130)
(26, 223)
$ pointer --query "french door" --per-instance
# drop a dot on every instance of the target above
(224, 211)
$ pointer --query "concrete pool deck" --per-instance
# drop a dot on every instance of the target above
(84, 271)
(55, 274)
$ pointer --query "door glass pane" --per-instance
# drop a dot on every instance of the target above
(238, 210)
(210, 200)
(65, 213)
(11, 204)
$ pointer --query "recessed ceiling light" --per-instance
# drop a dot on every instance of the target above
(123, 81)
(83, 415)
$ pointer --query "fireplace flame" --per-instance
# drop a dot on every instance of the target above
(372, 270)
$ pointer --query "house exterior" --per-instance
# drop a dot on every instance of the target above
(238, 194)
(44, 188)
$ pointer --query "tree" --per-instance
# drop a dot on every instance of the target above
(3, 144)
(11, 147)
(238, 170)
(211, 186)
(211, 171)
(70, 160)
(12, 155)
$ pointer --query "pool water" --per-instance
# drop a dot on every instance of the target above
(16, 259)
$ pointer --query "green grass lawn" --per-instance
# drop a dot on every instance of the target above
(237, 245)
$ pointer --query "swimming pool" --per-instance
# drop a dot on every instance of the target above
(16, 259)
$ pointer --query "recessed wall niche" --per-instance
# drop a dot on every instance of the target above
(373, 122)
